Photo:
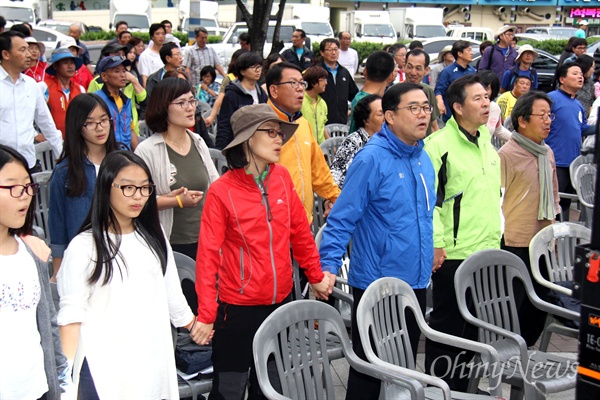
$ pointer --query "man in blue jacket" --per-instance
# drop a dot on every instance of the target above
(386, 207)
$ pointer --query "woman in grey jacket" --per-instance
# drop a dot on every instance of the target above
(32, 363)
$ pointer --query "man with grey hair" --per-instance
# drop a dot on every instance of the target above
(75, 33)
(200, 55)
(348, 56)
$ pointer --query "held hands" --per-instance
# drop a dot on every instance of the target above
(188, 198)
(439, 255)
(202, 333)
(328, 207)
(321, 289)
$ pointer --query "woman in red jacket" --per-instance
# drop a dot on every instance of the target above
(252, 215)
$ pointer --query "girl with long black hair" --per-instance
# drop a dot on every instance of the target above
(89, 138)
(118, 276)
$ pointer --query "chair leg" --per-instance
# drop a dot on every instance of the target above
(545, 341)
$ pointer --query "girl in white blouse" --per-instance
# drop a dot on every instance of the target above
(119, 290)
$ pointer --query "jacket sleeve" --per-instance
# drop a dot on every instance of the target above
(322, 181)
(442, 83)
(303, 245)
(57, 212)
(212, 235)
(483, 63)
(439, 167)
(224, 131)
(346, 212)
(353, 88)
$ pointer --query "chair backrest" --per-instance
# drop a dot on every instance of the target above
(205, 108)
(299, 354)
(497, 142)
(43, 202)
(145, 132)
(576, 163)
(45, 155)
(330, 148)
(381, 314)
(484, 285)
(337, 130)
(556, 245)
(186, 269)
(585, 184)
(318, 214)
(219, 160)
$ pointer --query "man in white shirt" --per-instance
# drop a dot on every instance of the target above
(22, 102)
(348, 56)
(150, 61)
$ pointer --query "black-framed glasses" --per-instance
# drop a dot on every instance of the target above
(332, 50)
(90, 126)
(256, 67)
(545, 116)
(130, 190)
(17, 191)
(273, 133)
(416, 110)
(187, 103)
(294, 84)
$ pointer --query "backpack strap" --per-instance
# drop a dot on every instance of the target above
(489, 66)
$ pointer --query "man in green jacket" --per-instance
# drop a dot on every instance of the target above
(466, 218)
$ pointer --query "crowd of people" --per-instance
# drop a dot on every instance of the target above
(416, 185)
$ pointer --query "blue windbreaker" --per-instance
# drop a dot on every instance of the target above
(386, 207)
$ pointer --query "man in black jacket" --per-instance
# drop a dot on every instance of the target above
(341, 88)
(299, 54)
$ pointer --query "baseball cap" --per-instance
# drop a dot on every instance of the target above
(111, 62)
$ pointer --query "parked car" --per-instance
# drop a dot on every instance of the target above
(471, 32)
(562, 32)
(545, 65)
(49, 37)
(63, 26)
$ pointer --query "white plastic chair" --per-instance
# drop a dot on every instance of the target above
(42, 202)
(330, 148)
(337, 130)
(219, 160)
(45, 155)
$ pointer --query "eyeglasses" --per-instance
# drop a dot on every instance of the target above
(256, 67)
(294, 84)
(273, 133)
(187, 103)
(416, 110)
(90, 126)
(545, 116)
(17, 191)
(131, 190)
(330, 50)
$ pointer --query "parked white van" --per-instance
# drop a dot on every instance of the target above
(471, 32)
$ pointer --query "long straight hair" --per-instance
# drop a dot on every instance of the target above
(101, 219)
(10, 155)
(75, 147)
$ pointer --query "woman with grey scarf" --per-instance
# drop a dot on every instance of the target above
(530, 198)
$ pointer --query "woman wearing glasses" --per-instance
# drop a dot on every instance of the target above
(119, 273)
(252, 216)
(244, 91)
(89, 138)
(179, 161)
(32, 363)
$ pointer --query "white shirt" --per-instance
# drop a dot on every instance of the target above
(125, 331)
(21, 104)
(22, 374)
(149, 62)
(494, 123)
(349, 60)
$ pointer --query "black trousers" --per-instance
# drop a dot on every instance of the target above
(364, 387)
(531, 319)
(564, 185)
(233, 363)
(87, 388)
(440, 358)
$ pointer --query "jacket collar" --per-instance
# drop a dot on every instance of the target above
(247, 179)
(284, 116)
(483, 132)
(397, 146)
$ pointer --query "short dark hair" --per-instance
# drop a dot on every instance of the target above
(6, 40)
(524, 106)
(415, 44)
(167, 51)
(236, 156)
(118, 24)
(417, 53)
(2, 22)
(10, 155)
(563, 70)
(459, 47)
(395, 47)
(521, 77)
(456, 92)
(124, 33)
(234, 57)
(166, 21)
(362, 110)
(163, 94)
(569, 46)
(312, 75)
(341, 33)
(245, 61)
(155, 27)
(244, 37)
(585, 61)
(210, 70)
(273, 58)
(379, 66)
(579, 42)
(22, 28)
(484, 45)
(489, 79)
(328, 40)
(276, 73)
(199, 30)
(393, 96)
(302, 33)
